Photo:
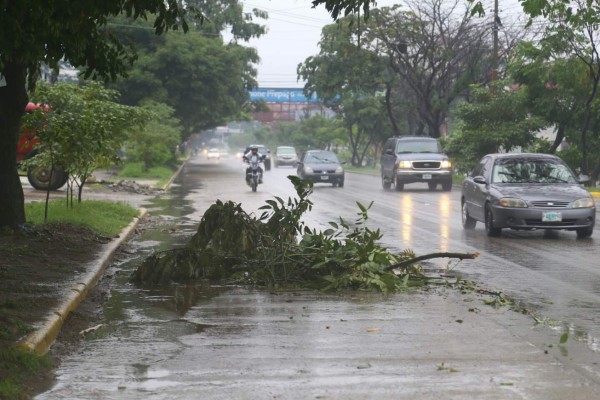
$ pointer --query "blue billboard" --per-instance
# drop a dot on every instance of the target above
(279, 95)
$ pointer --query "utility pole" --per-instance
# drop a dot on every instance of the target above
(495, 51)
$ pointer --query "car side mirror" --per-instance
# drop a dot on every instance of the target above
(584, 178)
(479, 179)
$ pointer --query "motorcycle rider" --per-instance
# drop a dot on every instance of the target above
(253, 154)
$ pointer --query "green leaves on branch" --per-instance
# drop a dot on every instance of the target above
(278, 249)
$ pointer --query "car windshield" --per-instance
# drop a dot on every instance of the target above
(286, 150)
(532, 171)
(418, 146)
(322, 158)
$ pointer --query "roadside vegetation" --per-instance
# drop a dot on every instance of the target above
(104, 217)
(135, 170)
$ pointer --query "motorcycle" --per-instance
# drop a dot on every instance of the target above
(254, 173)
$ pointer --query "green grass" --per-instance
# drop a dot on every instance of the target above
(106, 218)
(135, 171)
(16, 368)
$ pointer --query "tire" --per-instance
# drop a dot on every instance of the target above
(467, 221)
(490, 230)
(399, 186)
(386, 184)
(254, 184)
(341, 183)
(584, 232)
(40, 179)
(432, 186)
(447, 186)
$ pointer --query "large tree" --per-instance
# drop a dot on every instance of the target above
(36, 31)
(437, 50)
(350, 76)
(204, 79)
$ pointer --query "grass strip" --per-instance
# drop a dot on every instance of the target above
(105, 218)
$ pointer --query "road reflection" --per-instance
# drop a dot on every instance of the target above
(444, 208)
(406, 218)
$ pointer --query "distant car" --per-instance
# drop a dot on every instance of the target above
(526, 191)
(411, 159)
(213, 153)
(285, 155)
(321, 166)
(264, 152)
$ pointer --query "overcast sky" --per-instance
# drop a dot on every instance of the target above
(294, 30)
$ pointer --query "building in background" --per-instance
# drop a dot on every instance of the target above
(287, 105)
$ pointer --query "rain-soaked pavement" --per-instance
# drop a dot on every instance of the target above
(237, 343)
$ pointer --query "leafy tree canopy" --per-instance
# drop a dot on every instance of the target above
(492, 121)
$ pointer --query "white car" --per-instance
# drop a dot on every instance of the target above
(213, 153)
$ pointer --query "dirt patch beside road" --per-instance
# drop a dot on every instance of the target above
(35, 267)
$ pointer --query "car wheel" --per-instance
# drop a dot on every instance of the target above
(341, 183)
(40, 179)
(399, 185)
(447, 186)
(385, 183)
(432, 186)
(585, 232)
(467, 221)
(490, 230)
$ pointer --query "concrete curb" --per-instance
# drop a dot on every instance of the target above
(41, 340)
(175, 175)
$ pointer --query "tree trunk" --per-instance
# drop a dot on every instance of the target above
(560, 135)
(13, 99)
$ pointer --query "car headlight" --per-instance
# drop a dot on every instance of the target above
(512, 202)
(308, 170)
(339, 170)
(586, 202)
(446, 164)
(404, 164)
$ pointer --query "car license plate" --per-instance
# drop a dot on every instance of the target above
(324, 177)
(426, 176)
(551, 216)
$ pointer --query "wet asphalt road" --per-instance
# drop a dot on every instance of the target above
(551, 272)
(555, 275)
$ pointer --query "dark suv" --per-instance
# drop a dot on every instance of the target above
(409, 159)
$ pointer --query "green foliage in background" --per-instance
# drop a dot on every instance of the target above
(156, 142)
(83, 128)
(494, 120)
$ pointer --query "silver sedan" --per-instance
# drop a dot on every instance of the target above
(526, 191)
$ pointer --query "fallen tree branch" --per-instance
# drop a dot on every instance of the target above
(460, 256)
